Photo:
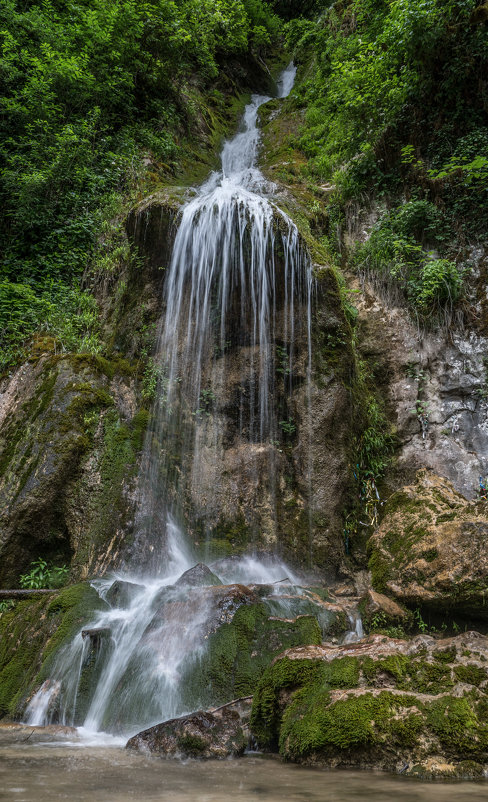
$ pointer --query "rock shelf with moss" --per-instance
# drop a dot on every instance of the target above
(414, 706)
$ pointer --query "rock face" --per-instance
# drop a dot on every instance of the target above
(68, 450)
(218, 734)
(430, 549)
(434, 381)
(122, 593)
(407, 706)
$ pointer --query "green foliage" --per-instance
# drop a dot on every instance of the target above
(90, 88)
(392, 110)
(397, 251)
(67, 313)
(42, 575)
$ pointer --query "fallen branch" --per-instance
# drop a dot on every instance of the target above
(23, 593)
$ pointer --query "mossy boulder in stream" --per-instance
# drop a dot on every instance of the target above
(416, 706)
(205, 734)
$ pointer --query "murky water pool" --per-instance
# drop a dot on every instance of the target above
(42, 768)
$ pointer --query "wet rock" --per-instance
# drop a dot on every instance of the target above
(122, 593)
(95, 635)
(26, 733)
(434, 381)
(398, 705)
(200, 735)
(383, 611)
(430, 549)
(200, 574)
(63, 473)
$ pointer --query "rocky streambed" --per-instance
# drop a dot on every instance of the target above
(415, 707)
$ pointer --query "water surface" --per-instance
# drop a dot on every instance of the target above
(49, 770)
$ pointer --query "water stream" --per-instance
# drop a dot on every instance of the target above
(59, 771)
(139, 648)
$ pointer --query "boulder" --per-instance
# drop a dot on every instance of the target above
(414, 706)
(199, 575)
(202, 734)
(122, 593)
(430, 550)
(379, 611)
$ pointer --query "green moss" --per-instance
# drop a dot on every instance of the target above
(445, 655)
(471, 674)
(456, 724)
(105, 504)
(380, 571)
(356, 722)
(239, 652)
(31, 635)
(139, 425)
(281, 677)
(191, 745)
(342, 673)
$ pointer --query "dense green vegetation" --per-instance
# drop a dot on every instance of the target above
(395, 95)
(396, 113)
(88, 90)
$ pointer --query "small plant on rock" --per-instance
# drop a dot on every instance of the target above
(41, 575)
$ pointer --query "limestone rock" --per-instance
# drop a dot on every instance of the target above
(440, 371)
(200, 574)
(203, 734)
(399, 705)
(380, 609)
(430, 549)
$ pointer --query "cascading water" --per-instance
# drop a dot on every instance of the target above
(237, 277)
(238, 288)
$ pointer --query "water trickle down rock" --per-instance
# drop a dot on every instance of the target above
(234, 348)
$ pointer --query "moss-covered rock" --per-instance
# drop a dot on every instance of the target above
(31, 635)
(378, 703)
(214, 734)
(430, 549)
(70, 440)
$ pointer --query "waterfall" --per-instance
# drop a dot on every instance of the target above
(238, 287)
(238, 278)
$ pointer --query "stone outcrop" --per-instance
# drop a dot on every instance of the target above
(218, 734)
(434, 381)
(121, 593)
(430, 549)
(413, 706)
(68, 451)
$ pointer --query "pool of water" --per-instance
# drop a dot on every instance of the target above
(42, 766)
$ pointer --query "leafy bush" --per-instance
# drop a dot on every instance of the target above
(41, 575)
(88, 88)
(67, 313)
(394, 252)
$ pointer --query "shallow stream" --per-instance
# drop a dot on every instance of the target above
(49, 770)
